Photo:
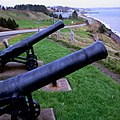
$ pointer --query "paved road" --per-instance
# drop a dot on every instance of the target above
(90, 20)
(15, 32)
(6, 35)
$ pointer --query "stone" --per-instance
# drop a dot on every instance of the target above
(62, 85)
(46, 114)
(15, 68)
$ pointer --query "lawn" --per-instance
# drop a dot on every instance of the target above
(29, 23)
(94, 95)
(33, 23)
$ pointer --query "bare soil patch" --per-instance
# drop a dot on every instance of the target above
(105, 70)
(15, 68)
(62, 85)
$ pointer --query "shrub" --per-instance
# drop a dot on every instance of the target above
(3, 22)
(102, 28)
(11, 24)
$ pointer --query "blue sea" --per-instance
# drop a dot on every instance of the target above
(108, 16)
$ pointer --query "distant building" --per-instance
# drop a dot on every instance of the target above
(65, 15)
(58, 13)
(70, 10)
(50, 9)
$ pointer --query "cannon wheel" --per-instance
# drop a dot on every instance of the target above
(1, 68)
(31, 64)
(37, 108)
(32, 56)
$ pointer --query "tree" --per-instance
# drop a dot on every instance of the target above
(12, 24)
(35, 8)
(3, 22)
(3, 8)
(74, 15)
(43, 9)
(101, 28)
(53, 15)
(60, 17)
(15, 24)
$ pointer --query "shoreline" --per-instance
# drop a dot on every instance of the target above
(107, 26)
(108, 31)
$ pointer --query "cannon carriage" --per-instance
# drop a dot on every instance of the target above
(13, 52)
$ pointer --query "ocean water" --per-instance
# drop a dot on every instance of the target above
(108, 16)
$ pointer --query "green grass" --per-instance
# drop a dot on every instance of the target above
(49, 51)
(112, 62)
(33, 23)
(73, 21)
(94, 95)
(43, 23)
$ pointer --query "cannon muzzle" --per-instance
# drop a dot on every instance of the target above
(41, 76)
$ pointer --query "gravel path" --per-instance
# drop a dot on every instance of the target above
(103, 69)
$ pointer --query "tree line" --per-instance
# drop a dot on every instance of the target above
(30, 7)
(8, 23)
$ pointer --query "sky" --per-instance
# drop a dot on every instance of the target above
(69, 3)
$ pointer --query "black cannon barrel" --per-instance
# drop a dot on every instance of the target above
(20, 47)
(41, 76)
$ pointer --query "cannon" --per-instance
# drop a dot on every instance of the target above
(13, 52)
(15, 92)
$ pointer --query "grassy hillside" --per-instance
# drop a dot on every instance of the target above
(83, 37)
(26, 19)
(23, 15)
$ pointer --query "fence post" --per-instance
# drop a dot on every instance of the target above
(50, 36)
(5, 42)
(72, 37)
(95, 37)
(38, 29)
(58, 35)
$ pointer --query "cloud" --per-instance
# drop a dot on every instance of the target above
(71, 3)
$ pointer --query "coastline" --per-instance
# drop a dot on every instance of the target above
(108, 31)
(107, 26)
(112, 43)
